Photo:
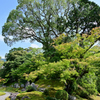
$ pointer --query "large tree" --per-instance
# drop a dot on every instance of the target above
(43, 20)
(75, 65)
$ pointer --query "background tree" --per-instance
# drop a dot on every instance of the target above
(19, 62)
(81, 19)
(1, 63)
(15, 57)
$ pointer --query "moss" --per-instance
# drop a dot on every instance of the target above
(2, 93)
(35, 95)
(7, 98)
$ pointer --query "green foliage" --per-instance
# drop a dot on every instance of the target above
(73, 66)
(51, 98)
(46, 92)
(50, 71)
(19, 61)
(1, 63)
(65, 30)
(84, 94)
(29, 88)
(88, 81)
(80, 17)
(66, 16)
(34, 95)
(98, 80)
(61, 95)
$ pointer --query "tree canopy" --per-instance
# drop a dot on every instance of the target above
(18, 61)
(43, 20)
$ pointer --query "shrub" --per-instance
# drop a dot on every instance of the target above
(84, 94)
(61, 95)
(50, 98)
(29, 88)
(16, 90)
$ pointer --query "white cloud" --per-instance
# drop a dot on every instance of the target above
(35, 46)
(2, 57)
(1, 38)
(27, 41)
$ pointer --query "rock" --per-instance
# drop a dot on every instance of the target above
(27, 84)
(71, 97)
(12, 85)
(4, 86)
(49, 85)
(25, 97)
(16, 85)
(23, 89)
(22, 85)
(34, 86)
(13, 96)
(42, 89)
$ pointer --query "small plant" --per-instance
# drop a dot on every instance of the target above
(29, 88)
(61, 95)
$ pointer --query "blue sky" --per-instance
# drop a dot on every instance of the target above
(5, 7)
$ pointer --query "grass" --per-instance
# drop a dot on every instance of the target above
(8, 89)
(2, 93)
(7, 98)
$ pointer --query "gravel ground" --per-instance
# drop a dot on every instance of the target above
(3, 97)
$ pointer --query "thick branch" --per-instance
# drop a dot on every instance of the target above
(90, 46)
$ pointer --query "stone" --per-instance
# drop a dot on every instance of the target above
(71, 97)
(49, 85)
(23, 89)
(16, 85)
(42, 89)
(22, 85)
(13, 96)
(27, 84)
(4, 86)
(25, 97)
(34, 86)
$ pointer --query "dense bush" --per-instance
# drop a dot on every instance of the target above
(50, 98)
(29, 88)
(88, 82)
(61, 95)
